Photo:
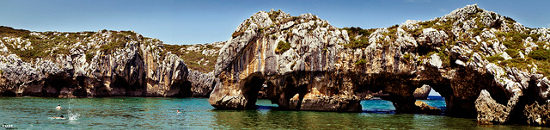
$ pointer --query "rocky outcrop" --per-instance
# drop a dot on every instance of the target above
(201, 83)
(96, 64)
(537, 114)
(485, 65)
(491, 112)
(427, 109)
(307, 64)
(422, 92)
(250, 59)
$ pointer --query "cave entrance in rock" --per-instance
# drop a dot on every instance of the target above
(430, 102)
(8, 93)
(58, 85)
(383, 101)
(251, 88)
(263, 101)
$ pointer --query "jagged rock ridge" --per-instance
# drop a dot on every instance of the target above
(90, 64)
(307, 64)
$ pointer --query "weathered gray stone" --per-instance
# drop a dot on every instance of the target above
(422, 92)
(136, 69)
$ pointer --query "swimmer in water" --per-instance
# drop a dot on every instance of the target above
(179, 112)
(60, 117)
(58, 107)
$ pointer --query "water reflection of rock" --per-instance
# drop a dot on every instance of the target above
(291, 120)
(237, 119)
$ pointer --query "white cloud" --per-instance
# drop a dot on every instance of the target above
(443, 10)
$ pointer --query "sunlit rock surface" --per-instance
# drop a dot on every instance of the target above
(90, 64)
(307, 64)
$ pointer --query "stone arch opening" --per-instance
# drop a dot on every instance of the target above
(250, 88)
(462, 89)
(267, 92)
(396, 88)
(289, 95)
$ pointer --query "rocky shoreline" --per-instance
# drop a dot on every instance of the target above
(94, 67)
(485, 65)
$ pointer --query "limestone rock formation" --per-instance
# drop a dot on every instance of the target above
(307, 64)
(201, 83)
(200, 59)
(89, 64)
(427, 109)
(422, 92)
(537, 114)
(489, 111)
(298, 64)
(485, 65)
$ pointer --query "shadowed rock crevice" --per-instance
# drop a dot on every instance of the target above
(8, 94)
(476, 60)
(466, 87)
(251, 87)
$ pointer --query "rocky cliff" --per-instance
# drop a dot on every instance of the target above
(481, 62)
(92, 64)
(200, 59)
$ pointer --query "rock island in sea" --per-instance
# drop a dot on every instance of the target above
(99, 64)
(485, 65)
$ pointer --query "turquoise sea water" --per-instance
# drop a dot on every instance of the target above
(196, 113)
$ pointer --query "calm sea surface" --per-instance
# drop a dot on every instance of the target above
(196, 113)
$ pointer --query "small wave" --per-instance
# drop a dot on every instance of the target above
(73, 116)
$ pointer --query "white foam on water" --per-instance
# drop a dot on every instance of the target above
(71, 116)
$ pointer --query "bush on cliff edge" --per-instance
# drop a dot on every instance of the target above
(282, 47)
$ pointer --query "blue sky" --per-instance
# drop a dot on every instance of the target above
(205, 21)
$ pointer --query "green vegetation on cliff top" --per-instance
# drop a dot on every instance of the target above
(193, 59)
(47, 45)
(358, 37)
(513, 39)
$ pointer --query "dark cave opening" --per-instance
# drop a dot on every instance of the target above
(55, 83)
(251, 88)
(8, 93)
(183, 89)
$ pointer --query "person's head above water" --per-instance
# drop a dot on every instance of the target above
(58, 105)
(61, 116)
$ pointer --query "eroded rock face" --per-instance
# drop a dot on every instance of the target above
(94, 67)
(422, 92)
(489, 111)
(306, 64)
(427, 109)
(313, 61)
(537, 114)
(201, 83)
(248, 60)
